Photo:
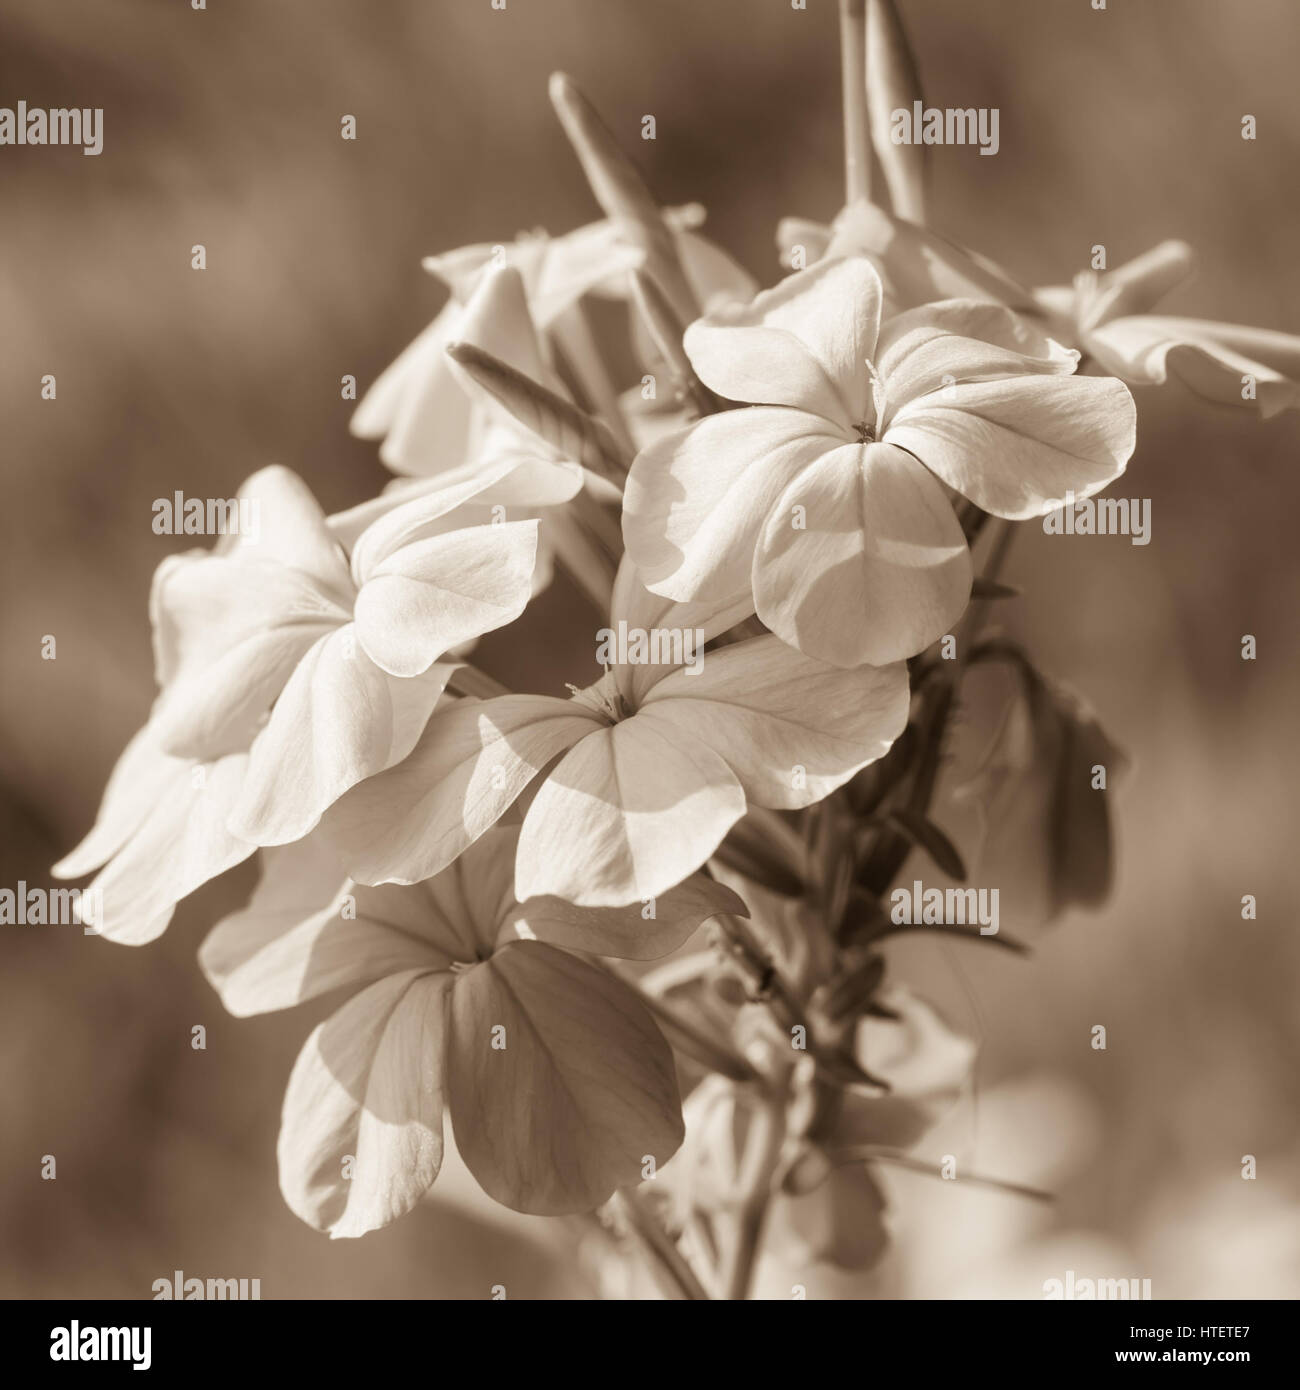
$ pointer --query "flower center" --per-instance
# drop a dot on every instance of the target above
(604, 697)
(868, 428)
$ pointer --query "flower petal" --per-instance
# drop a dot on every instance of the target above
(478, 494)
(469, 766)
(340, 720)
(417, 407)
(879, 568)
(806, 342)
(228, 633)
(139, 778)
(283, 948)
(641, 931)
(558, 1081)
(1015, 447)
(366, 1093)
(181, 844)
(697, 499)
(497, 320)
(917, 266)
(801, 233)
(640, 608)
(942, 345)
(791, 729)
(628, 813)
(291, 531)
(431, 596)
(1210, 358)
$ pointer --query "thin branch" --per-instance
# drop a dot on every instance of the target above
(870, 1153)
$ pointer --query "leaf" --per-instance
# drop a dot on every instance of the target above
(936, 844)
(583, 1090)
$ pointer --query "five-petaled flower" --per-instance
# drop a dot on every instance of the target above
(556, 1078)
(826, 494)
(654, 764)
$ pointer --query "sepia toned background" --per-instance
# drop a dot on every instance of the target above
(222, 127)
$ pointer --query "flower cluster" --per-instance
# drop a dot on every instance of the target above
(798, 476)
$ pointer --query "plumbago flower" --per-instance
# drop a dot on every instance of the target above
(508, 467)
(557, 1081)
(417, 407)
(288, 673)
(827, 494)
(656, 762)
(732, 797)
(1105, 314)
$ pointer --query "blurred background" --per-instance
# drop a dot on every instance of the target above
(221, 126)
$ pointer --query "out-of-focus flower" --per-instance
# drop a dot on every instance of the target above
(1230, 364)
(658, 762)
(1104, 314)
(556, 1078)
(826, 494)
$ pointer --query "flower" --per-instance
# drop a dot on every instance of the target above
(1104, 314)
(557, 1081)
(288, 673)
(654, 766)
(417, 407)
(826, 494)
(1230, 364)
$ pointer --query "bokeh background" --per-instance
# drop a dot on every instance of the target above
(222, 127)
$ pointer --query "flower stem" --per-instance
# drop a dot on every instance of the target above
(853, 76)
(467, 679)
(763, 1146)
(668, 1259)
(873, 1153)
